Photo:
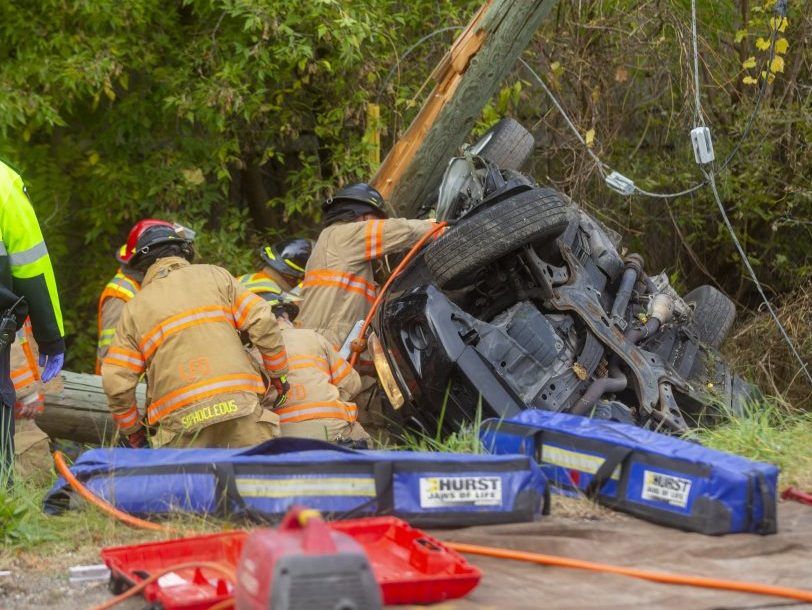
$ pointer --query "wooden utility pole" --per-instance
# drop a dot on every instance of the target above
(467, 77)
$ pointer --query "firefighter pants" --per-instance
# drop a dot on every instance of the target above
(326, 429)
(246, 431)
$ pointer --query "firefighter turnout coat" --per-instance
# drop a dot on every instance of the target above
(322, 383)
(118, 291)
(339, 286)
(181, 329)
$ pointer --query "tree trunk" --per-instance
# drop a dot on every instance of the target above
(467, 77)
(78, 412)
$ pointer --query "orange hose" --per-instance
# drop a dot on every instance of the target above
(661, 577)
(473, 549)
(406, 260)
(62, 468)
(222, 568)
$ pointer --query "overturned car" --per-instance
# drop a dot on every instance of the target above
(526, 302)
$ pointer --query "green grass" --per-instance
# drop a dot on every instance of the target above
(768, 432)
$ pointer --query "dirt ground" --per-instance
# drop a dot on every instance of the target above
(576, 529)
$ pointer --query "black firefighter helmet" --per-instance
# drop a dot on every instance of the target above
(158, 242)
(288, 257)
(351, 202)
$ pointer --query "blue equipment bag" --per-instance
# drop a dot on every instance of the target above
(263, 482)
(649, 475)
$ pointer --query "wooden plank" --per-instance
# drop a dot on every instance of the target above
(467, 77)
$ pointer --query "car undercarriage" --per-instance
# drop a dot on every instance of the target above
(527, 302)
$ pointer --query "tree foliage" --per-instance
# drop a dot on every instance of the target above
(237, 117)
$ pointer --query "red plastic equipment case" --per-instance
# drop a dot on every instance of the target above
(410, 566)
(189, 589)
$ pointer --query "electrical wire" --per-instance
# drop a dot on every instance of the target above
(710, 176)
(712, 183)
(781, 11)
(698, 118)
(602, 167)
(409, 51)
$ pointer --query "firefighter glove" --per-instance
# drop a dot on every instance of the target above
(282, 388)
(51, 365)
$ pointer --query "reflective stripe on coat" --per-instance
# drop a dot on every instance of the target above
(322, 383)
(182, 331)
(339, 285)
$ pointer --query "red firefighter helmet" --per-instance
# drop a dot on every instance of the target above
(125, 252)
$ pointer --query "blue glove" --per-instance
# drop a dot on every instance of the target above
(51, 365)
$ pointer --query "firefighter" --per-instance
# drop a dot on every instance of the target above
(123, 287)
(181, 329)
(282, 271)
(25, 271)
(322, 385)
(339, 285)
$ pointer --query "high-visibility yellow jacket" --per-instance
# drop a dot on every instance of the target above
(181, 329)
(25, 267)
(322, 383)
(339, 286)
(25, 270)
(266, 282)
(118, 291)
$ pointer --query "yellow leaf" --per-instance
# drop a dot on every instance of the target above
(778, 24)
(781, 46)
(740, 34)
(749, 80)
(762, 44)
(194, 176)
(777, 64)
(750, 62)
(589, 137)
(556, 68)
(93, 158)
(596, 93)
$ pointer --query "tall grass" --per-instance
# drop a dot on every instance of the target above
(464, 440)
(770, 432)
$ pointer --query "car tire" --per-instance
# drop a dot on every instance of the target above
(508, 145)
(489, 234)
(714, 314)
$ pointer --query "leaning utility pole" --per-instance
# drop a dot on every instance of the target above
(467, 77)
